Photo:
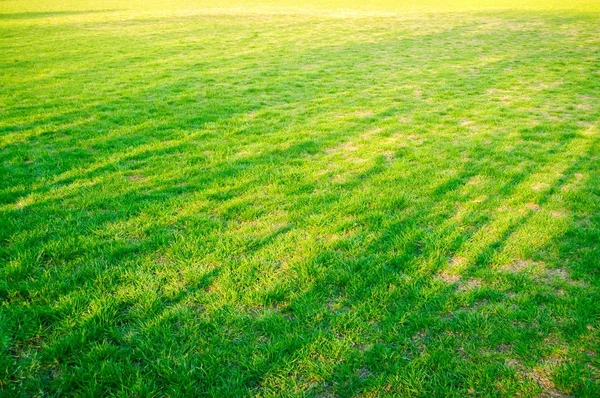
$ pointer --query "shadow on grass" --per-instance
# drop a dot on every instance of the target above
(174, 258)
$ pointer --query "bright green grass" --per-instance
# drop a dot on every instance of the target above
(278, 199)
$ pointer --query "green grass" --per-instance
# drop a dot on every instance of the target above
(299, 199)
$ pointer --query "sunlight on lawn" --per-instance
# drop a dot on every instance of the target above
(318, 199)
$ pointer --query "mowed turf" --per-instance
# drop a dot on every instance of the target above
(299, 199)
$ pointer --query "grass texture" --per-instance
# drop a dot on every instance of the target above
(261, 198)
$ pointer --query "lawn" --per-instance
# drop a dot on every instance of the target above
(279, 198)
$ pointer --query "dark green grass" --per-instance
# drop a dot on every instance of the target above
(286, 201)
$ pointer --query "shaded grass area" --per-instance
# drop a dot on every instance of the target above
(273, 203)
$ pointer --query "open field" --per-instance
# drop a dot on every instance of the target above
(299, 199)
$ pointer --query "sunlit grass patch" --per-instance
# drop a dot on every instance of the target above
(318, 199)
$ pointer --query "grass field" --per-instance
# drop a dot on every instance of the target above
(277, 198)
